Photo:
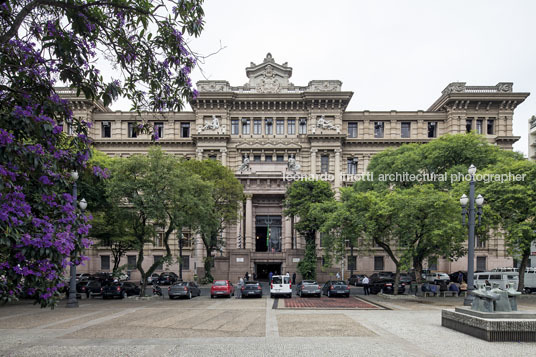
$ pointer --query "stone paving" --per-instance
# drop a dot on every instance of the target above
(329, 303)
(238, 327)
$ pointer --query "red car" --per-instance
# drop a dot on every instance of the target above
(222, 288)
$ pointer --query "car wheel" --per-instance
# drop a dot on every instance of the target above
(170, 297)
(124, 295)
(190, 295)
(212, 296)
(347, 295)
(271, 296)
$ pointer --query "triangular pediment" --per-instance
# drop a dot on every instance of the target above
(269, 76)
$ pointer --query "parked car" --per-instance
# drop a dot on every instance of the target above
(186, 289)
(381, 276)
(82, 276)
(308, 287)
(454, 276)
(336, 287)
(386, 286)
(356, 279)
(94, 288)
(251, 289)
(502, 279)
(154, 277)
(168, 278)
(280, 285)
(436, 278)
(222, 288)
(405, 278)
(121, 290)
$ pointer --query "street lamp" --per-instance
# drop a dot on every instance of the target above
(72, 302)
(471, 243)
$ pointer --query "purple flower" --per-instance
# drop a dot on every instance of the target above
(5, 137)
(45, 180)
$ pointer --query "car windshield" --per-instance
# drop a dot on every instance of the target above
(309, 282)
(339, 283)
(220, 283)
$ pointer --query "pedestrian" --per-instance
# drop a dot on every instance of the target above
(247, 276)
(365, 283)
(294, 278)
(460, 277)
(270, 274)
(454, 287)
(288, 274)
(254, 276)
(338, 276)
(443, 286)
(463, 288)
(238, 292)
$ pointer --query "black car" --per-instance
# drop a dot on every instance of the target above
(251, 289)
(386, 286)
(405, 278)
(356, 279)
(120, 290)
(382, 275)
(336, 288)
(454, 276)
(308, 287)
(186, 289)
(94, 288)
(168, 278)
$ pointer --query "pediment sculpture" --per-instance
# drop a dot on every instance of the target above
(213, 125)
(292, 165)
(245, 164)
(322, 123)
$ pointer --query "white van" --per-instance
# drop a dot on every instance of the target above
(502, 278)
(280, 285)
(530, 277)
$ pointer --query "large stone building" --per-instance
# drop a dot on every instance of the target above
(284, 129)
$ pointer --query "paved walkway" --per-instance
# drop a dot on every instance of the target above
(238, 327)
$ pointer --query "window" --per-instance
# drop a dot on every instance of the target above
(213, 157)
(268, 128)
(132, 130)
(268, 158)
(405, 129)
(185, 262)
(70, 127)
(106, 129)
(378, 263)
(159, 129)
(324, 163)
(158, 259)
(234, 127)
(352, 166)
(280, 158)
(256, 158)
(291, 126)
(481, 263)
(352, 262)
(432, 263)
(246, 127)
(257, 127)
(105, 262)
(185, 130)
(131, 262)
(491, 123)
(159, 240)
(352, 130)
(432, 129)
(479, 125)
(378, 129)
(280, 127)
(187, 239)
(468, 125)
(303, 126)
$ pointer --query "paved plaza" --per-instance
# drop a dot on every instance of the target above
(244, 327)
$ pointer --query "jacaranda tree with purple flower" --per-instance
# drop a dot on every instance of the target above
(44, 43)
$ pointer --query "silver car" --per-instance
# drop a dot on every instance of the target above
(187, 289)
(308, 288)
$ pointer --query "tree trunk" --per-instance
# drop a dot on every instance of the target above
(397, 280)
(417, 265)
(180, 258)
(142, 272)
(522, 268)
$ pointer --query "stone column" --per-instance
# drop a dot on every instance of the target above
(313, 161)
(287, 234)
(199, 251)
(239, 228)
(365, 163)
(223, 156)
(337, 182)
(199, 153)
(249, 223)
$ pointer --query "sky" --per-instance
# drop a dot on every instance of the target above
(394, 55)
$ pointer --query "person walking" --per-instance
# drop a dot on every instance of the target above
(247, 276)
(338, 276)
(365, 283)
(270, 274)
(254, 276)
(294, 278)
(238, 292)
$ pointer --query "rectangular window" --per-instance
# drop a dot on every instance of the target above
(185, 130)
(213, 157)
(432, 129)
(132, 130)
(378, 129)
(105, 262)
(378, 263)
(405, 129)
(246, 127)
(491, 128)
(324, 163)
(468, 125)
(257, 129)
(187, 239)
(234, 126)
(185, 262)
(106, 129)
(269, 126)
(479, 123)
(352, 262)
(158, 259)
(352, 130)
(256, 158)
(303, 126)
(280, 127)
(268, 158)
(159, 240)
(480, 243)
(291, 127)
(280, 158)
(70, 127)
(159, 129)
(481, 263)
(352, 166)
(131, 262)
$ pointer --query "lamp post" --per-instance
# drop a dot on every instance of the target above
(471, 224)
(72, 302)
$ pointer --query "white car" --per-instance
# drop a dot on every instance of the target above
(436, 278)
(280, 285)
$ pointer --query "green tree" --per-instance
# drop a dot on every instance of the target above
(301, 198)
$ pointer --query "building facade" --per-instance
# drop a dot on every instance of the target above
(269, 131)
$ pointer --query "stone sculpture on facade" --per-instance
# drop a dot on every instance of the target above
(322, 123)
(292, 165)
(214, 125)
(245, 164)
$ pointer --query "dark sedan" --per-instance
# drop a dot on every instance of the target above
(356, 280)
(121, 290)
(386, 286)
(336, 288)
(94, 288)
(308, 287)
(186, 289)
(251, 289)
(168, 278)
